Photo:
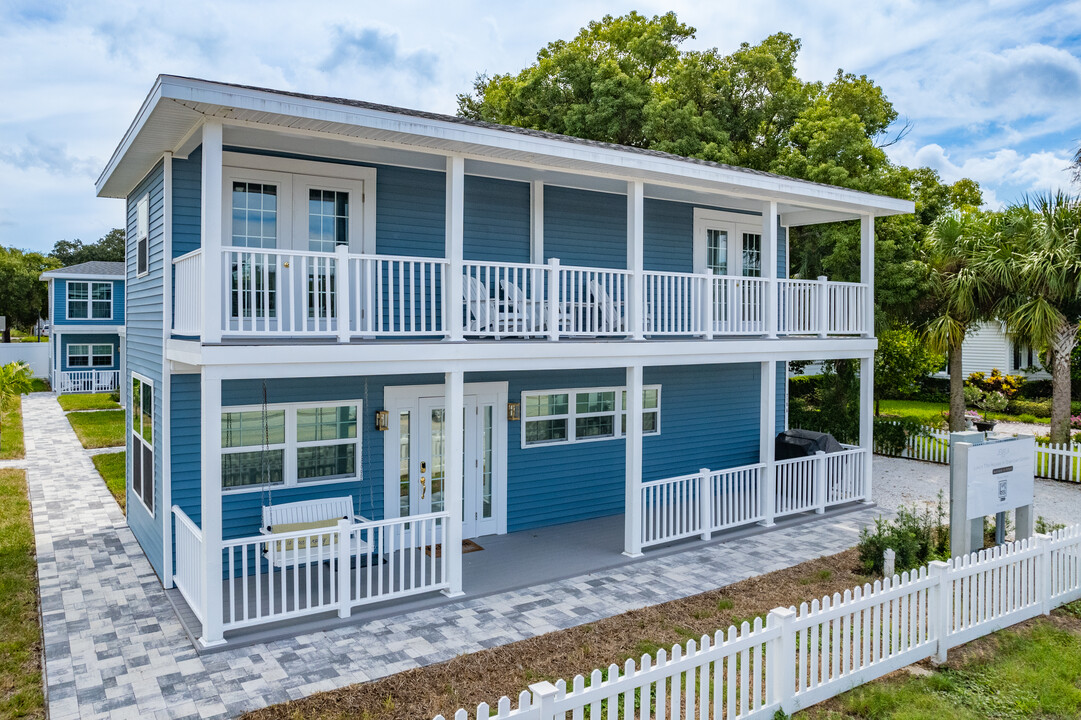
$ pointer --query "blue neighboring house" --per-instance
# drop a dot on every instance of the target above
(86, 341)
(358, 335)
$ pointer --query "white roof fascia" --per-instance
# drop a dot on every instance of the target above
(145, 109)
(49, 274)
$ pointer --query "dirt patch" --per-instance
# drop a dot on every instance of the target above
(487, 675)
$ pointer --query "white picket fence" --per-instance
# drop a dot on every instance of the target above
(800, 657)
(1055, 461)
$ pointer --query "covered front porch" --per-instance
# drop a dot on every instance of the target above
(517, 560)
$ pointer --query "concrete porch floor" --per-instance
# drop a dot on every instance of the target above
(507, 563)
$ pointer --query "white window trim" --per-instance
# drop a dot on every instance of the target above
(90, 284)
(137, 437)
(90, 354)
(142, 233)
(294, 177)
(572, 414)
(291, 445)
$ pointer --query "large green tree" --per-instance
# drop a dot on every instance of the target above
(1041, 269)
(110, 247)
(23, 295)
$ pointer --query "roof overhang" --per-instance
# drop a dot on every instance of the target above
(172, 113)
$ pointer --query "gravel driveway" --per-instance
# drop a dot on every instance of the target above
(899, 482)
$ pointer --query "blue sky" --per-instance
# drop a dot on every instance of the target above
(992, 90)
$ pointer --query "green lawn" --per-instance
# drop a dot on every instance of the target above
(20, 634)
(89, 401)
(112, 468)
(39, 385)
(1032, 671)
(104, 428)
(11, 431)
(930, 413)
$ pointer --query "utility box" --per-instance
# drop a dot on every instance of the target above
(989, 476)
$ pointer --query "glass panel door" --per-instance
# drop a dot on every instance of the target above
(751, 256)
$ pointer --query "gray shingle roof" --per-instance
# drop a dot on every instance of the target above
(94, 267)
(378, 107)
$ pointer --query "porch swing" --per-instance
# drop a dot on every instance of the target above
(320, 516)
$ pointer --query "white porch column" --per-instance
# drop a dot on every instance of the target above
(867, 271)
(211, 226)
(455, 242)
(635, 259)
(769, 264)
(632, 519)
(867, 411)
(767, 435)
(454, 390)
(536, 222)
(210, 520)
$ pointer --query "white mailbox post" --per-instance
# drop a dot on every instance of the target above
(989, 476)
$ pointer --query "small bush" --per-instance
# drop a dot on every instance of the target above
(1008, 385)
(973, 395)
(891, 435)
(1037, 408)
(115, 396)
(1044, 526)
(993, 401)
(916, 538)
(803, 386)
(933, 389)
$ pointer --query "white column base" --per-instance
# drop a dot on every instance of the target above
(453, 593)
(766, 523)
(203, 642)
(626, 553)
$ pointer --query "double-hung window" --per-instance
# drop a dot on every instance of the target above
(288, 445)
(142, 236)
(90, 300)
(584, 414)
(82, 355)
(142, 440)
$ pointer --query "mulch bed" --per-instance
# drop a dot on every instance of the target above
(486, 675)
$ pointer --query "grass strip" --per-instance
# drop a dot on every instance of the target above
(89, 401)
(21, 693)
(104, 428)
(11, 431)
(112, 468)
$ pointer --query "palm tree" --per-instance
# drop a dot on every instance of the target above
(14, 381)
(961, 293)
(1043, 277)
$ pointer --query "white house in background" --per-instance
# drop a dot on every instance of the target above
(358, 334)
(990, 347)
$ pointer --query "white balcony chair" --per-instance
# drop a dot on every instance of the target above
(481, 308)
(520, 307)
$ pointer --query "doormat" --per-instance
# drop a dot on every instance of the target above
(468, 546)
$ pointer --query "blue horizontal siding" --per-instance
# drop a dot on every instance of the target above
(89, 339)
(496, 219)
(145, 354)
(60, 305)
(185, 455)
(187, 203)
(668, 232)
(582, 227)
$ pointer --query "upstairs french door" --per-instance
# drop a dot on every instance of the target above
(725, 246)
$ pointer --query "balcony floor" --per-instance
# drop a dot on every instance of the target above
(507, 562)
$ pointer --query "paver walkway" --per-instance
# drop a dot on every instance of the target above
(114, 648)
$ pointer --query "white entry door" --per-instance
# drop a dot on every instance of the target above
(418, 478)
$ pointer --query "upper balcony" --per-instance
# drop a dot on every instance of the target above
(298, 296)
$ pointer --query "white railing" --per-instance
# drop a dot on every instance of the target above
(705, 502)
(736, 496)
(188, 293)
(801, 657)
(1054, 461)
(739, 305)
(405, 558)
(280, 292)
(507, 299)
(677, 303)
(398, 296)
(188, 574)
(846, 309)
(674, 508)
(87, 381)
(282, 576)
(593, 302)
(800, 306)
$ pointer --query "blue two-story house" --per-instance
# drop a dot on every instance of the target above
(359, 335)
(87, 330)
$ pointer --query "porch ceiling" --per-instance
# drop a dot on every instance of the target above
(171, 115)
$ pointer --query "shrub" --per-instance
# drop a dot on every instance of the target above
(993, 401)
(1008, 385)
(891, 435)
(803, 386)
(1044, 526)
(973, 395)
(1038, 408)
(115, 396)
(916, 538)
(933, 389)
